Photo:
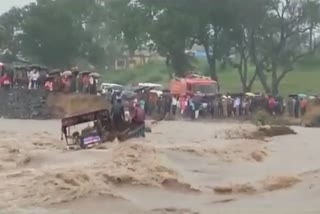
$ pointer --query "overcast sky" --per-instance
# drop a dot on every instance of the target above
(5, 5)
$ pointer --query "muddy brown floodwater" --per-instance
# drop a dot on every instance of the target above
(182, 167)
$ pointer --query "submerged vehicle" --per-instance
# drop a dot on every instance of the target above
(100, 130)
(89, 136)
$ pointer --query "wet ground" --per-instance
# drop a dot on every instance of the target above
(182, 167)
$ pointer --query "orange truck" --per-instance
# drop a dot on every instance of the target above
(194, 84)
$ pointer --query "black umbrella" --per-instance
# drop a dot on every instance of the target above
(55, 71)
(35, 66)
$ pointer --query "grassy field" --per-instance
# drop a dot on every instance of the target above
(304, 79)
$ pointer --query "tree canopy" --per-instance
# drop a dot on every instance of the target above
(269, 35)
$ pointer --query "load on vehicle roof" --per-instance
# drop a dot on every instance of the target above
(86, 117)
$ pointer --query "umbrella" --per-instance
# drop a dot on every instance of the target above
(49, 77)
(128, 94)
(302, 95)
(95, 74)
(67, 73)
(20, 67)
(293, 95)
(55, 71)
(85, 72)
(312, 97)
(34, 66)
(75, 69)
(250, 94)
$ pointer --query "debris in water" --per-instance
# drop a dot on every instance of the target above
(175, 185)
(282, 182)
(273, 131)
(224, 201)
(174, 210)
(238, 188)
(258, 156)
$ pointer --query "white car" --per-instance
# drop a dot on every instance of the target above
(157, 87)
(105, 86)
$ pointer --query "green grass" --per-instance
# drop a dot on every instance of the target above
(155, 72)
(304, 79)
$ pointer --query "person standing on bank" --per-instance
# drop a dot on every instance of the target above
(139, 118)
(117, 114)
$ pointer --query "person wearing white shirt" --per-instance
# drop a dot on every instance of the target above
(236, 106)
(35, 75)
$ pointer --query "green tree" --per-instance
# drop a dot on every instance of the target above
(171, 31)
(10, 24)
(50, 33)
(165, 23)
(280, 42)
(241, 36)
(312, 8)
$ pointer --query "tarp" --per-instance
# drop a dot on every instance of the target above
(83, 118)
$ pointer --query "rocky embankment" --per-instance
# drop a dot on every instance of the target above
(24, 104)
(39, 105)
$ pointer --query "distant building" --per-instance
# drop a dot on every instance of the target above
(197, 51)
(140, 57)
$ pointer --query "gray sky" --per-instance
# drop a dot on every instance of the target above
(5, 5)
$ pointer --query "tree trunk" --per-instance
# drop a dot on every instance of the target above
(254, 77)
(275, 82)
(213, 69)
(212, 62)
(311, 38)
(240, 71)
(275, 89)
(275, 85)
(263, 78)
(245, 69)
(179, 62)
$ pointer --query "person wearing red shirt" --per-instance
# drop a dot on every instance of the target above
(49, 85)
(303, 106)
(272, 104)
(5, 81)
(139, 118)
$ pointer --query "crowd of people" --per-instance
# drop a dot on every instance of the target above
(219, 106)
(165, 103)
(72, 82)
(34, 77)
(194, 107)
(135, 113)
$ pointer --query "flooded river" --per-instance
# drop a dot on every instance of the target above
(180, 168)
